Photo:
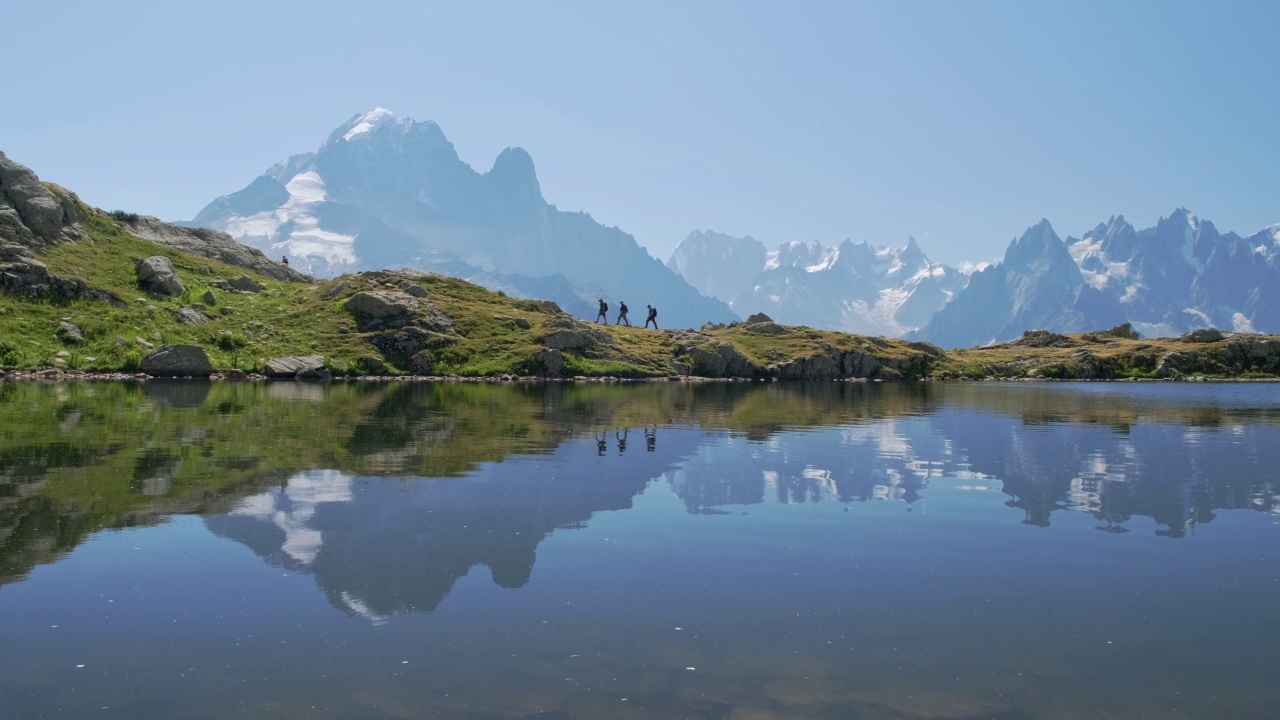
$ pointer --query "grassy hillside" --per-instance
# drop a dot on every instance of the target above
(475, 332)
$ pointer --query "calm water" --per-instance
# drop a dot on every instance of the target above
(752, 552)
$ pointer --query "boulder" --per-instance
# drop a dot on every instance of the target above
(1042, 338)
(189, 316)
(293, 366)
(334, 291)
(381, 305)
(681, 368)
(551, 361)
(244, 283)
(69, 333)
(30, 212)
(1177, 363)
(413, 288)
(143, 343)
(321, 373)
(209, 298)
(576, 341)
(1203, 335)
(372, 365)
(859, 365)
(156, 274)
(766, 328)
(707, 363)
(759, 318)
(177, 360)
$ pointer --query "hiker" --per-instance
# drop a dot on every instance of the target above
(603, 316)
(653, 317)
(622, 314)
(284, 260)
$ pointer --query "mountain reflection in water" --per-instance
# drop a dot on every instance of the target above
(719, 550)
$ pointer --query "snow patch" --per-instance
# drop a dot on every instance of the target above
(293, 509)
(305, 238)
(370, 120)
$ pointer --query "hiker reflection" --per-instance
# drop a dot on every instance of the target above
(650, 439)
(622, 441)
(602, 443)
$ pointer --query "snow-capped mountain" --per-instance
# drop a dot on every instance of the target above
(385, 191)
(1180, 275)
(854, 287)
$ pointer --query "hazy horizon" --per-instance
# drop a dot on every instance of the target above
(960, 125)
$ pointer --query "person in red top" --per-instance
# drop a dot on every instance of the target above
(284, 260)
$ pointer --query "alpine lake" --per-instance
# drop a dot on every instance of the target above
(742, 551)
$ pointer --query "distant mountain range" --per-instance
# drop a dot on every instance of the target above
(1166, 280)
(1178, 276)
(853, 287)
(388, 192)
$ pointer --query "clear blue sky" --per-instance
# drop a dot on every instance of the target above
(960, 123)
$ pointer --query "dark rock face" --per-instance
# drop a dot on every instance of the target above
(176, 361)
(551, 361)
(381, 305)
(1204, 335)
(288, 367)
(156, 274)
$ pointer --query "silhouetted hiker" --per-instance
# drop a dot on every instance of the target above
(284, 260)
(653, 317)
(603, 314)
(650, 439)
(622, 314)
(622, 441)
(602, 444)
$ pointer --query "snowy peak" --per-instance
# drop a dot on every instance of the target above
(375, 119)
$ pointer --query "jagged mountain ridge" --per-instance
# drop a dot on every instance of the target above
(853, 287)
(385, 191)
(1165, 280)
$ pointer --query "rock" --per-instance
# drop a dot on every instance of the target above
(707, 363)
(244, 283)
(314, 374)
(413, 288)
(682, 369)
(551, 361)
(176, 360)
(811, 367)
(344, 330)
(859, 365)
(30, 212)
(372, 365)
(710, 326)
(758, 318)
(226, 310)
(188, 316)
(62, 354)
(210, 244)
(422, 363)
(1203, 335)
(60, 362)
(143, 343)
(523, 323)
(1042, 338)
(381, 305)
(69, 333)
(1092, 367)
(206, 270)
(546, 306)
(735, 364)
(156, 274)
(334, 291)
(1124, 332)
(235, 375)
(287, 367)
(121, 342)
(208, 298)
(1175, 364)
(576, 341)
(766, 328)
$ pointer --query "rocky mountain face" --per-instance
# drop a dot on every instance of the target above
(853, 287)
(1167, 280)
(385, 191)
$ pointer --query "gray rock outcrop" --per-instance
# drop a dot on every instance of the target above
(190, 316)
(31, 214)
(209, 244)
(177, 360)
(156, 274)
(69, 333)
(293, 366)
(381, 305)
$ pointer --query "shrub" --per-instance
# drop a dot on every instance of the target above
(131, 361)
(10, 354)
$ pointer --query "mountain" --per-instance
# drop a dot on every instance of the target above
(853, 287)
(385, 191)
(1166, 280)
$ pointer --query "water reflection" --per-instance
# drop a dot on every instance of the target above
(76, 458)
